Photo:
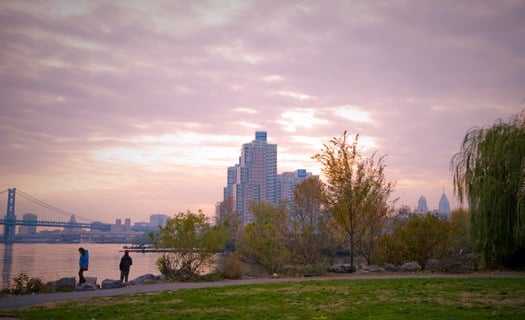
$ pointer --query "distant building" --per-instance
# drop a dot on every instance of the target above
(72, 221)
(444, 207)
(422, 205)
(443, 210)
(254, 178)
(286, 183)
(119, 227)
(25, 230)
(156, 220)
(231, 179)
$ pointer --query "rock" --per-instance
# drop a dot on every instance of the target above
(144, 278)
(410, 266)
(92, 280)
(362, 271)
(111, 284)
(86, 287)
(64, 284)
(391, 267)
(433, 265)
(342, 268)
(375, 268)
(369, 268)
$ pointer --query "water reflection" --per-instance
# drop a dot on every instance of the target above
(8, 262)
(50, 262)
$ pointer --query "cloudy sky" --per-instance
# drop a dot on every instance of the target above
(116, 109)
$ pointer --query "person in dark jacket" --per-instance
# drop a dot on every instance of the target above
(83, 264)
(125, 264)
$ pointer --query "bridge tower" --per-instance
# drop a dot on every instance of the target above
(10, 218)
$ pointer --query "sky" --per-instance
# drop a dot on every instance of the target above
(122, 109)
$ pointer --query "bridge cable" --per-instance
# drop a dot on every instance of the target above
(50, 207)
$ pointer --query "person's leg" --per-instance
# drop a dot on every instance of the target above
(121, 276)
(126, 275)
(81, 278)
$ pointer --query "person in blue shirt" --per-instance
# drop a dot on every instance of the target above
(83, 264)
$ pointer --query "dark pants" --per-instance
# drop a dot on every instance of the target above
(81, 278)
(124, 275)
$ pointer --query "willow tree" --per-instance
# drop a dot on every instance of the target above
(355, 190)
(489, 173)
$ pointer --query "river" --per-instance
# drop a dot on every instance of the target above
(51, 262)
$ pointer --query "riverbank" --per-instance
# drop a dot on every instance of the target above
(23, 301)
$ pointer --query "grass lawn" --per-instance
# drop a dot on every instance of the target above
(432, 298)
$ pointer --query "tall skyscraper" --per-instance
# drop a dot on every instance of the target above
(444, 206)
(422, 205)
(254, 178)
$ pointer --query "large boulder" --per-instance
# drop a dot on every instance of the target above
(410, 267)
(342, 268)
(91, 281)
(434, 265)
(64, 284)
(362, 267)
(144, 278)
(86, 287)
(391, 267)
(375, 268)
(111, 284)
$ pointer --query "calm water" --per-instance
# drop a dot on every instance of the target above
(51, 262)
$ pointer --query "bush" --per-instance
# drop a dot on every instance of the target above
(35, 285)
(230, 266)
(20, 283)
(419, 238)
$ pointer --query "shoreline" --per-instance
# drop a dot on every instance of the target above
(23, 301)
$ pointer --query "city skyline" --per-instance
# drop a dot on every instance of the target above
(114, 110)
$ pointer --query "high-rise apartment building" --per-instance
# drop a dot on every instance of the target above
(254, 178)
(286, 183)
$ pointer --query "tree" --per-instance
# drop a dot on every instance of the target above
(355, 188)
(228, 219)
(370, 231)
(264, 239)
(489, 173)
(460, 218)
(190, 242)
(309, 224)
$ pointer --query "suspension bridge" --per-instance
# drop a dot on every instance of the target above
(21, 209)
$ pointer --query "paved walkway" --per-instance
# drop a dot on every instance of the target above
(22, 301)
